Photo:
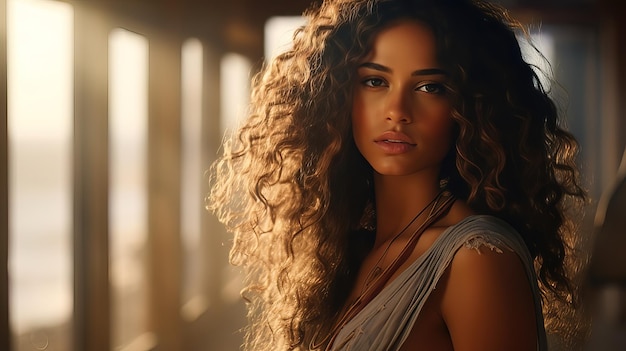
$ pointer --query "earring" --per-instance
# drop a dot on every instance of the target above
(443, 183)
(368, 219)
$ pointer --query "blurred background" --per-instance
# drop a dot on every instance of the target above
(114, 109)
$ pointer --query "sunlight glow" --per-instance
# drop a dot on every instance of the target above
(128, 205)
(545, 44)
(40, 122)
(192, 167)
(234, 90)
(279, 33)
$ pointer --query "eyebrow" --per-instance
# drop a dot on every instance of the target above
(419, 72)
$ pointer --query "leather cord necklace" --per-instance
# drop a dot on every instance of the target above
(375, 272)
(440, 205)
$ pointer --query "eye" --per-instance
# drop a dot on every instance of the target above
(373, 82)
(432, 88)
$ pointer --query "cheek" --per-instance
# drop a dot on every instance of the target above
(360, 119)
(441, 119)
(440, 129)
(444, 128)
(359, 131)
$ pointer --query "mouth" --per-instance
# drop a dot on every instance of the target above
(395, 141)
(392, 137)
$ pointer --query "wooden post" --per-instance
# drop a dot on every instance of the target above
(92, 319)
(5, 329)
(164, 161)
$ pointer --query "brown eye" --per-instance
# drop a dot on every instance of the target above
(374, 82)
(432, 88)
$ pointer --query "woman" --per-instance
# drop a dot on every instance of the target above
(400, 174)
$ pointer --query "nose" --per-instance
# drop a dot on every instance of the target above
(398, 109)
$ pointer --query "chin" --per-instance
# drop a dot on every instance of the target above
(397, 169)
(393, 171)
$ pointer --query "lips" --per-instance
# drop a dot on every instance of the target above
(395, 142)
(394, 137)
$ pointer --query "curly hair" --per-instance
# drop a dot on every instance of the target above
(293, 188)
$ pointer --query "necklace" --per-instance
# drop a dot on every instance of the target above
(375, 272)
(442, 202)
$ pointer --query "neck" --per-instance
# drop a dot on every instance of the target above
(399, 199)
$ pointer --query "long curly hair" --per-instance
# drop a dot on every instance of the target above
(293, 188)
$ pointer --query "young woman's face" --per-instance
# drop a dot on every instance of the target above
(401, 114)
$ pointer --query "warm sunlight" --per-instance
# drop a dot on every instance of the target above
(279, 32)
(235, 89)
(128, 206)
(40, 128)
(193, 167)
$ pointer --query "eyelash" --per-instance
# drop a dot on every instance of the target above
(368, 82)
(438, 88)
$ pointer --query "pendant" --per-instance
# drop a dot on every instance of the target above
(374, 273)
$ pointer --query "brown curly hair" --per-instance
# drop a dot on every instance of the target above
(292, 186)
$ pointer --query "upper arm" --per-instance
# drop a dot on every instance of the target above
(487, 301)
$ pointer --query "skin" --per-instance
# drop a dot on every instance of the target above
(484, 300)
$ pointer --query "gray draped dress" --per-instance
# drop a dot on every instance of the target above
(385, 323)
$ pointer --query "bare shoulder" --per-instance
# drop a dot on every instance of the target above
(487, 301)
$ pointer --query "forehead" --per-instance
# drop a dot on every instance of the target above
(408, 38)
